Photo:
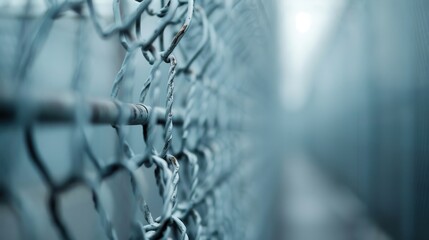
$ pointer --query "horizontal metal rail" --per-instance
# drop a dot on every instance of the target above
(63, 110)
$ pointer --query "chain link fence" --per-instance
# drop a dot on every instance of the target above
(165, 144)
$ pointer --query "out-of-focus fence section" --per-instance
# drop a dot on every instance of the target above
(367, 117)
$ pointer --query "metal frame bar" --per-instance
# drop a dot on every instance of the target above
(100, 111)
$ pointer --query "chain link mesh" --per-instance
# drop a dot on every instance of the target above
(197, 118)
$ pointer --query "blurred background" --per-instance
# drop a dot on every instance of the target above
(355, 96)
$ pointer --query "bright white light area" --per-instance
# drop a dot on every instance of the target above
(303, 22)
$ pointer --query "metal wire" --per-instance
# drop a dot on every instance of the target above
(206, 183)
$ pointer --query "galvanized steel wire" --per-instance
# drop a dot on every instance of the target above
(205, 183)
